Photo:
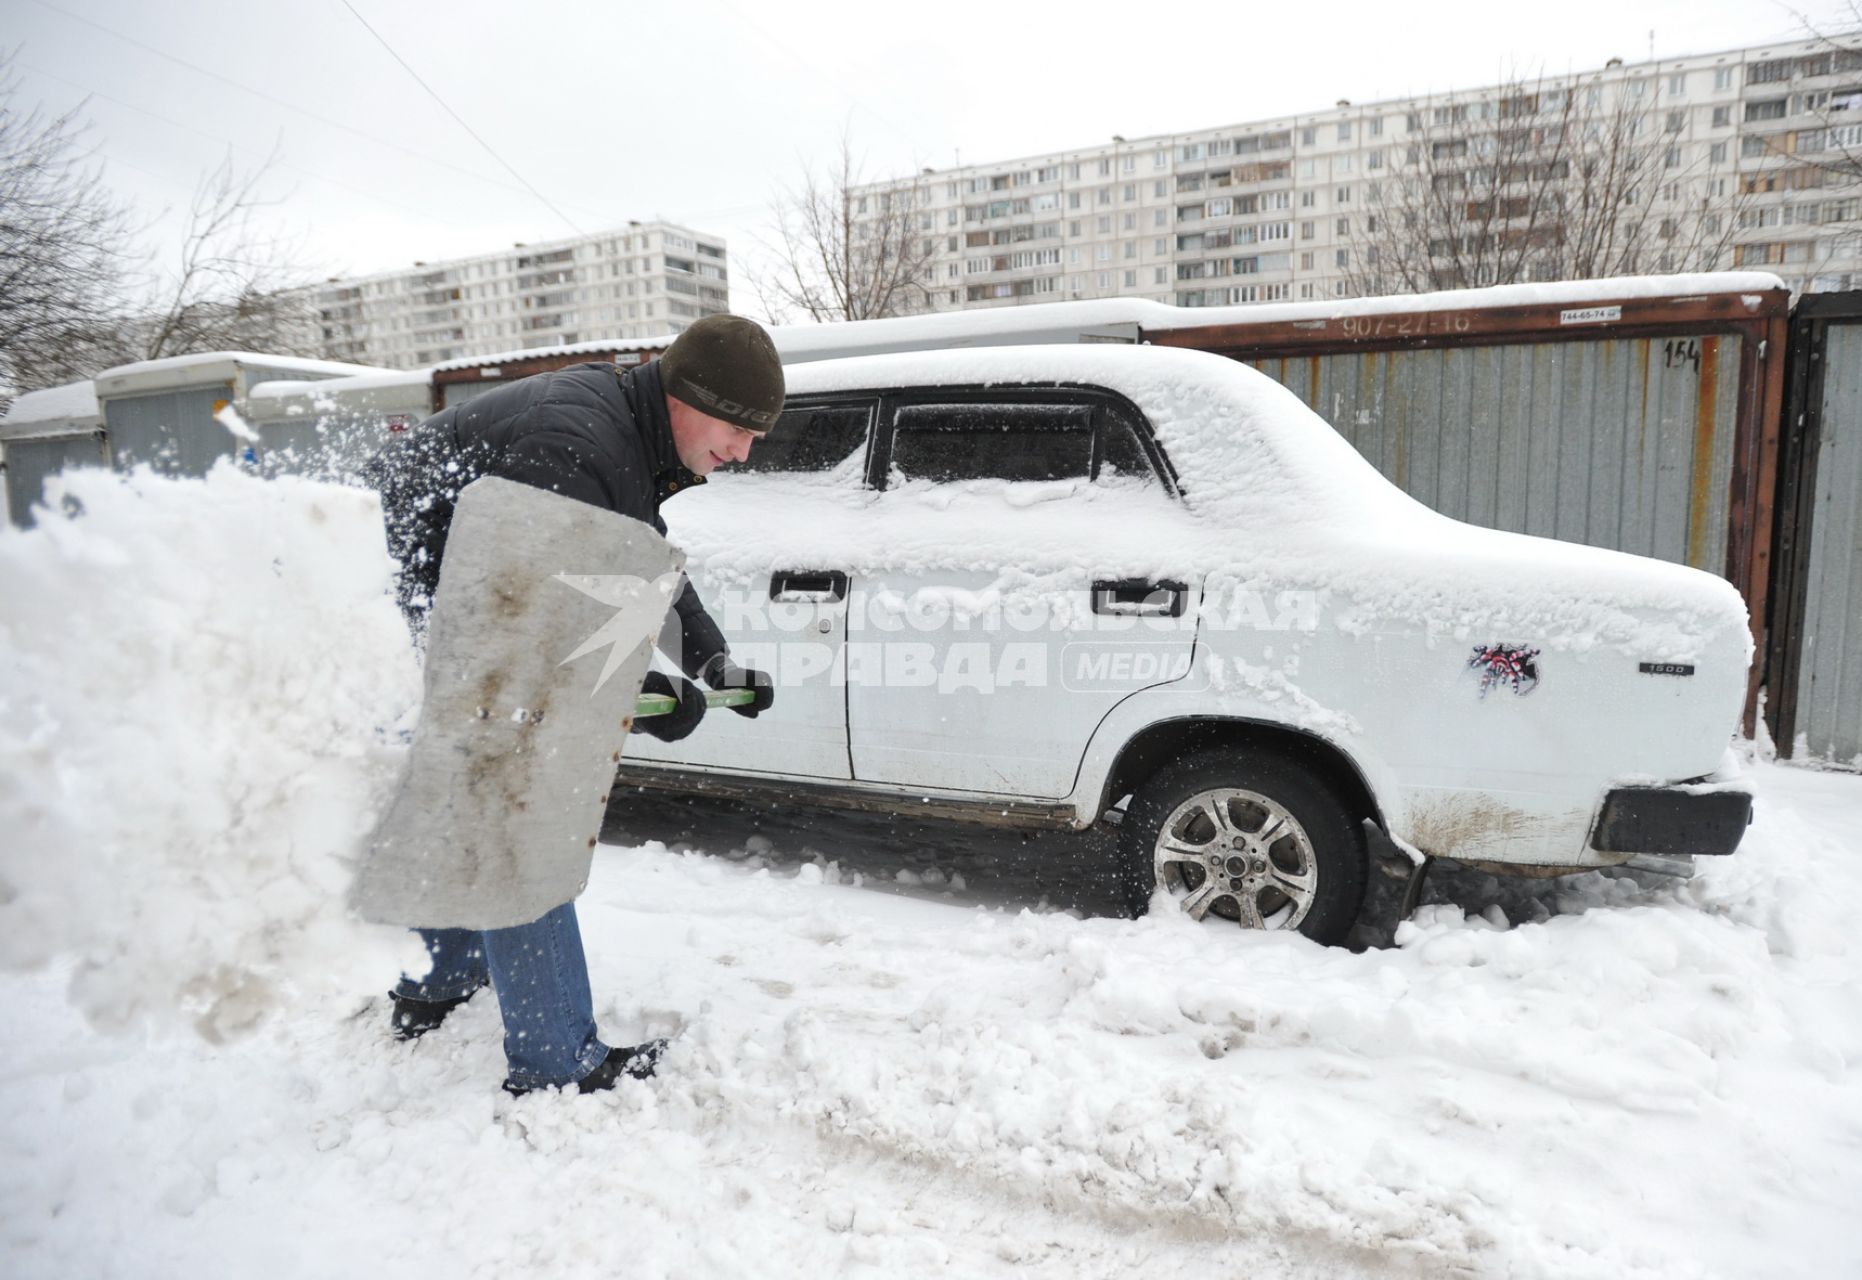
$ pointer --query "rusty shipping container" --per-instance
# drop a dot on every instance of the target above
(460, 380)
(1639, 421)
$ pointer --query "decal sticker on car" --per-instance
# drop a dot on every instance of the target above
(1512, 665)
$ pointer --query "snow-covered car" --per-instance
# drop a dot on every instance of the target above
(1042, 586)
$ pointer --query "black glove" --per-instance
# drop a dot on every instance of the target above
(682, 719)
(722, 673)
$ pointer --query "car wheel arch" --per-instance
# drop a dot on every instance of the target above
(1162, 741)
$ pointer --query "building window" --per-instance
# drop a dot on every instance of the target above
(1677, 85)
(1308, 230)
(1771, 109)
(1131, 279)
(1722, 77)
(1716, 154)
(1344, 131)
(1342, 227)
(1344, 195)
(1160, 217)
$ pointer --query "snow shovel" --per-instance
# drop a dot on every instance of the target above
(541, 632)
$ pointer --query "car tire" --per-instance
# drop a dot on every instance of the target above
(1244, 826)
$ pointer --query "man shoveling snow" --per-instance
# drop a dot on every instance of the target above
(493, 775)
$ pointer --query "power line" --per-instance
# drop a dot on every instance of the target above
(214, 137)
(209, 72)
(462, 124)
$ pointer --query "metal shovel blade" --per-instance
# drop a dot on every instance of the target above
(541, 632)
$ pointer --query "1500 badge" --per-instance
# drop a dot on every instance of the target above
(1666, 668)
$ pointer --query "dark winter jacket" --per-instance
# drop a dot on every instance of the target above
(591, 432)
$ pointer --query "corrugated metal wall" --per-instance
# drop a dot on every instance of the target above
(175, 431)
(1624, 443)
(172, 431)
(30, 462)
(1829, 697)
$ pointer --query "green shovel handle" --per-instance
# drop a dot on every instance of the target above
(659, 704)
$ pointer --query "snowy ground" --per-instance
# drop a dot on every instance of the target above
(887, 1078)
(898, 1049)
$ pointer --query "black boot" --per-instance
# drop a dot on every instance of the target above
(412, 1019)
(637, 1061)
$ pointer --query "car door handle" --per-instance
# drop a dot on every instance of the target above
(1134, 597)
(797, 587)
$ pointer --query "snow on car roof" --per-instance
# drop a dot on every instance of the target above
(74, 404)
(1217, 419)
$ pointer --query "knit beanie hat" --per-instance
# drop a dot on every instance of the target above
(726, 367)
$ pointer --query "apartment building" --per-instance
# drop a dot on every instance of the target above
(1748, 143)
(643, 280)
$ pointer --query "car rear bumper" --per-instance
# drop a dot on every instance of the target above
(1672, 821)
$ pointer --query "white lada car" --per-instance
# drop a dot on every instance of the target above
(1043, 585)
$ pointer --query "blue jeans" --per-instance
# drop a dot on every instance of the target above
(541, 977)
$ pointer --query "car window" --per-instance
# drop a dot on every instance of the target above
(1121, 453)
(810, 438)
(951, 442)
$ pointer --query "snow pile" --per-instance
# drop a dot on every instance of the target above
(1581, 1078)
(195, 678)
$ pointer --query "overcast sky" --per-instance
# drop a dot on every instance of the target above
(699, 111)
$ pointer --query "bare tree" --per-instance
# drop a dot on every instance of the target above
(62, 246)
(846, 252)
(236, 285)
(1538, 181)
